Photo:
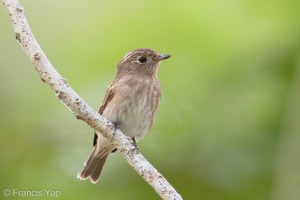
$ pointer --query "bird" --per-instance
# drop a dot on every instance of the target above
(130, 103)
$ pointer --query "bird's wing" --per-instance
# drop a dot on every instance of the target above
(107, 98)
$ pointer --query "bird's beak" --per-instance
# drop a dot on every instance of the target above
(161, 57)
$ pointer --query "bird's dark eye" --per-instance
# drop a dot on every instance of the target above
(142, 59)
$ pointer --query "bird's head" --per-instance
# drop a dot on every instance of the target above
(141, 62)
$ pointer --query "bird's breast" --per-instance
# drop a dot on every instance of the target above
(134, 107)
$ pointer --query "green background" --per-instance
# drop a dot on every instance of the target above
(227, 127)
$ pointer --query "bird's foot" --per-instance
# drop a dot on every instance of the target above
(135, 145)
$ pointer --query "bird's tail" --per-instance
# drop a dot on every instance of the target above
(92, 167)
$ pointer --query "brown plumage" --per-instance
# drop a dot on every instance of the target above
(130, 102)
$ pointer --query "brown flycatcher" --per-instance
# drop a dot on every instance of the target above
(130, 102)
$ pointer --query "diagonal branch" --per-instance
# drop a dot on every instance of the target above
(79, 108)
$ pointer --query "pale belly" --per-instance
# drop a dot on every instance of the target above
(136, 111)
(134, 119)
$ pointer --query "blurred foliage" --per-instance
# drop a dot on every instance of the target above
(219, 130)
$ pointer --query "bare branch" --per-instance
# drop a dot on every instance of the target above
(79, 108)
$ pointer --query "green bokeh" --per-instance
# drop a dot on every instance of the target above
(228, 101)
